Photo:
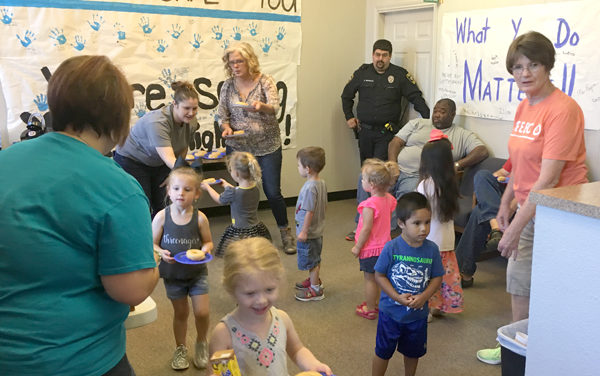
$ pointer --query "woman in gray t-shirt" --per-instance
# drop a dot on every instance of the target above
(157, 139)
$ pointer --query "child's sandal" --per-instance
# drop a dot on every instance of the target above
(369, 315)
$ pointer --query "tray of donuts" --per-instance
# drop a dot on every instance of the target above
(193, 256)
(214, 154)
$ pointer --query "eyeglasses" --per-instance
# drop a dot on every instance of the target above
(234, 62)
(531, 67)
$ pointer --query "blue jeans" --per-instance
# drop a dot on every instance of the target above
(488, 193)
(405, 183)
(270, 164)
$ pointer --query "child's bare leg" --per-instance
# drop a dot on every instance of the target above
(379, 366)
(314, 275)
(410, 366)
(200, 305)
(371, 291)
(181, 310)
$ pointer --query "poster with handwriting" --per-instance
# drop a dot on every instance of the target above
(472, 57)
(155, 42)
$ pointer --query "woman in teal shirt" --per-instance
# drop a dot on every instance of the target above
(76, 247)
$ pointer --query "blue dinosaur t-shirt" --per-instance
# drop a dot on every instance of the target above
(409, 270)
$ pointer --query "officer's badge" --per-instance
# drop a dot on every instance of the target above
(410, 78)
(391, 79)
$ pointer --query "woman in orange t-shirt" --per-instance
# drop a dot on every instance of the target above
(547, 149)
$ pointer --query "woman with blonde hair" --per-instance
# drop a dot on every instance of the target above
(249, 102)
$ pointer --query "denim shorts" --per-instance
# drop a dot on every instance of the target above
(181, 288)
(309, 253)
(409, 338)
(367, 265)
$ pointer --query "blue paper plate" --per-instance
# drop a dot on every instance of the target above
(221, 155)
(182, 259)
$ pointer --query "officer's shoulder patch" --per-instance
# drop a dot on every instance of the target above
(410, 78)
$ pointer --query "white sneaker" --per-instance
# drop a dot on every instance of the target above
(201, 354)
(180, 358)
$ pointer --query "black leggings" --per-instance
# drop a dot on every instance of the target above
(123, 368)
(150, 178)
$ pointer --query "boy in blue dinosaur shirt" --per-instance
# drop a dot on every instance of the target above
(408, 271)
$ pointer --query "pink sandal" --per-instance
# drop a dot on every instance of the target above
(364, 304)
(369, 315)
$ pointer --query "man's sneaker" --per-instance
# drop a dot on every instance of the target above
(350, 236)
(490, 356)
(309, 294)
(466, 283)
(287, 239)
(180, 358)
(306, 284)
(494, 240)
(201, 354)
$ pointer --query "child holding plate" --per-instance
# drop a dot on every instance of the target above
(176, 229)
(243, 200)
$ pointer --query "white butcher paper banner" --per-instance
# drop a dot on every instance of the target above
(155, 42)
(472, 56)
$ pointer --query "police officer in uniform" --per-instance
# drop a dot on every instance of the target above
(380, 87)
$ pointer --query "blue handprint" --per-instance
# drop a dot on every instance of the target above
(79, 43)
(252, 29)
(176, 32)
(58, 35)
(281, 33)
(145, 25)
(197, 41)
(140, 110)
(120, 32)
(166, 77)
(266, 44)
(162, 46)
(7, 16)
(97, 21)
(218, 32)
(27, 38)
(41, 101)
(225, 44)
(237, 33)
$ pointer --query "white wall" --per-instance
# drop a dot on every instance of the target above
(563, 313)
(333, 34)
(493, 132)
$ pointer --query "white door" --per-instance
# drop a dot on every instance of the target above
(411, 34)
